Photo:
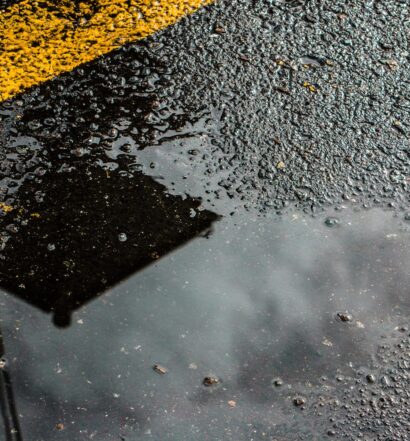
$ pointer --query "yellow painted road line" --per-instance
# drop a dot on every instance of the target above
(41, 39)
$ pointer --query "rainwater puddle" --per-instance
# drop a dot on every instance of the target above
(237, 336)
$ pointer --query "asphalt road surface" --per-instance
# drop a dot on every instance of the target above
(204, 220)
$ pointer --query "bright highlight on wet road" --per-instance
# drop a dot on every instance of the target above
(40, 40)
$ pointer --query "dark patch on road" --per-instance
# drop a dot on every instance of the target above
(77, 214)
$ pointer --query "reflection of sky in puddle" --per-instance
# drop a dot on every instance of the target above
(254, 302)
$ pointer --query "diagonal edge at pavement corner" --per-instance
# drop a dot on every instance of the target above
(40, 40)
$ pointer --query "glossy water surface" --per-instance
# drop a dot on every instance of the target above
(275, 309)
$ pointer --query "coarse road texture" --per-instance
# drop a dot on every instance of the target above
(40, 40)
(259, 109)
(309, 101)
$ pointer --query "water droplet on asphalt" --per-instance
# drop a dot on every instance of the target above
(332, 222)
(371, 378)
(122, 237)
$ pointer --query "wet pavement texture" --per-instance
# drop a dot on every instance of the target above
(268, 132)
(309, 101)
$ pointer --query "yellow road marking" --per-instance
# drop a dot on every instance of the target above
(6, 208)
(41, 39)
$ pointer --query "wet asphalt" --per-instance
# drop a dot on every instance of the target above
(275, 136)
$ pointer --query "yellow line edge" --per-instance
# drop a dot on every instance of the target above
(41, 40)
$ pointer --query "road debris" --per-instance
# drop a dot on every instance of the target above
(160, 369)
(210, 381)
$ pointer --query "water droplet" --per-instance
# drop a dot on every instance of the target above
(311, 61)
(385, 381)
(122, 237)
(12, 228)
(34, 125)
(332, 222)
(113, 133)
(127, 148)
(370, 378)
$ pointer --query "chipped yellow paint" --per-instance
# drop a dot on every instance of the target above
(310, 87)
(6, 208)
(42, 39)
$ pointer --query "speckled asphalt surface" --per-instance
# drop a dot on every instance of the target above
(277, 134)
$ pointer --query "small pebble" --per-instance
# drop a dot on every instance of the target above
(299, 401)
(210, 381)
(332, 222)
(344, 317)
(219, 29)
(160, 369)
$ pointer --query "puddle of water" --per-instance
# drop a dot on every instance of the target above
(263, 300)
(90, 230)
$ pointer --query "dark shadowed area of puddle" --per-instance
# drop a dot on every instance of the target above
(278, 311)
